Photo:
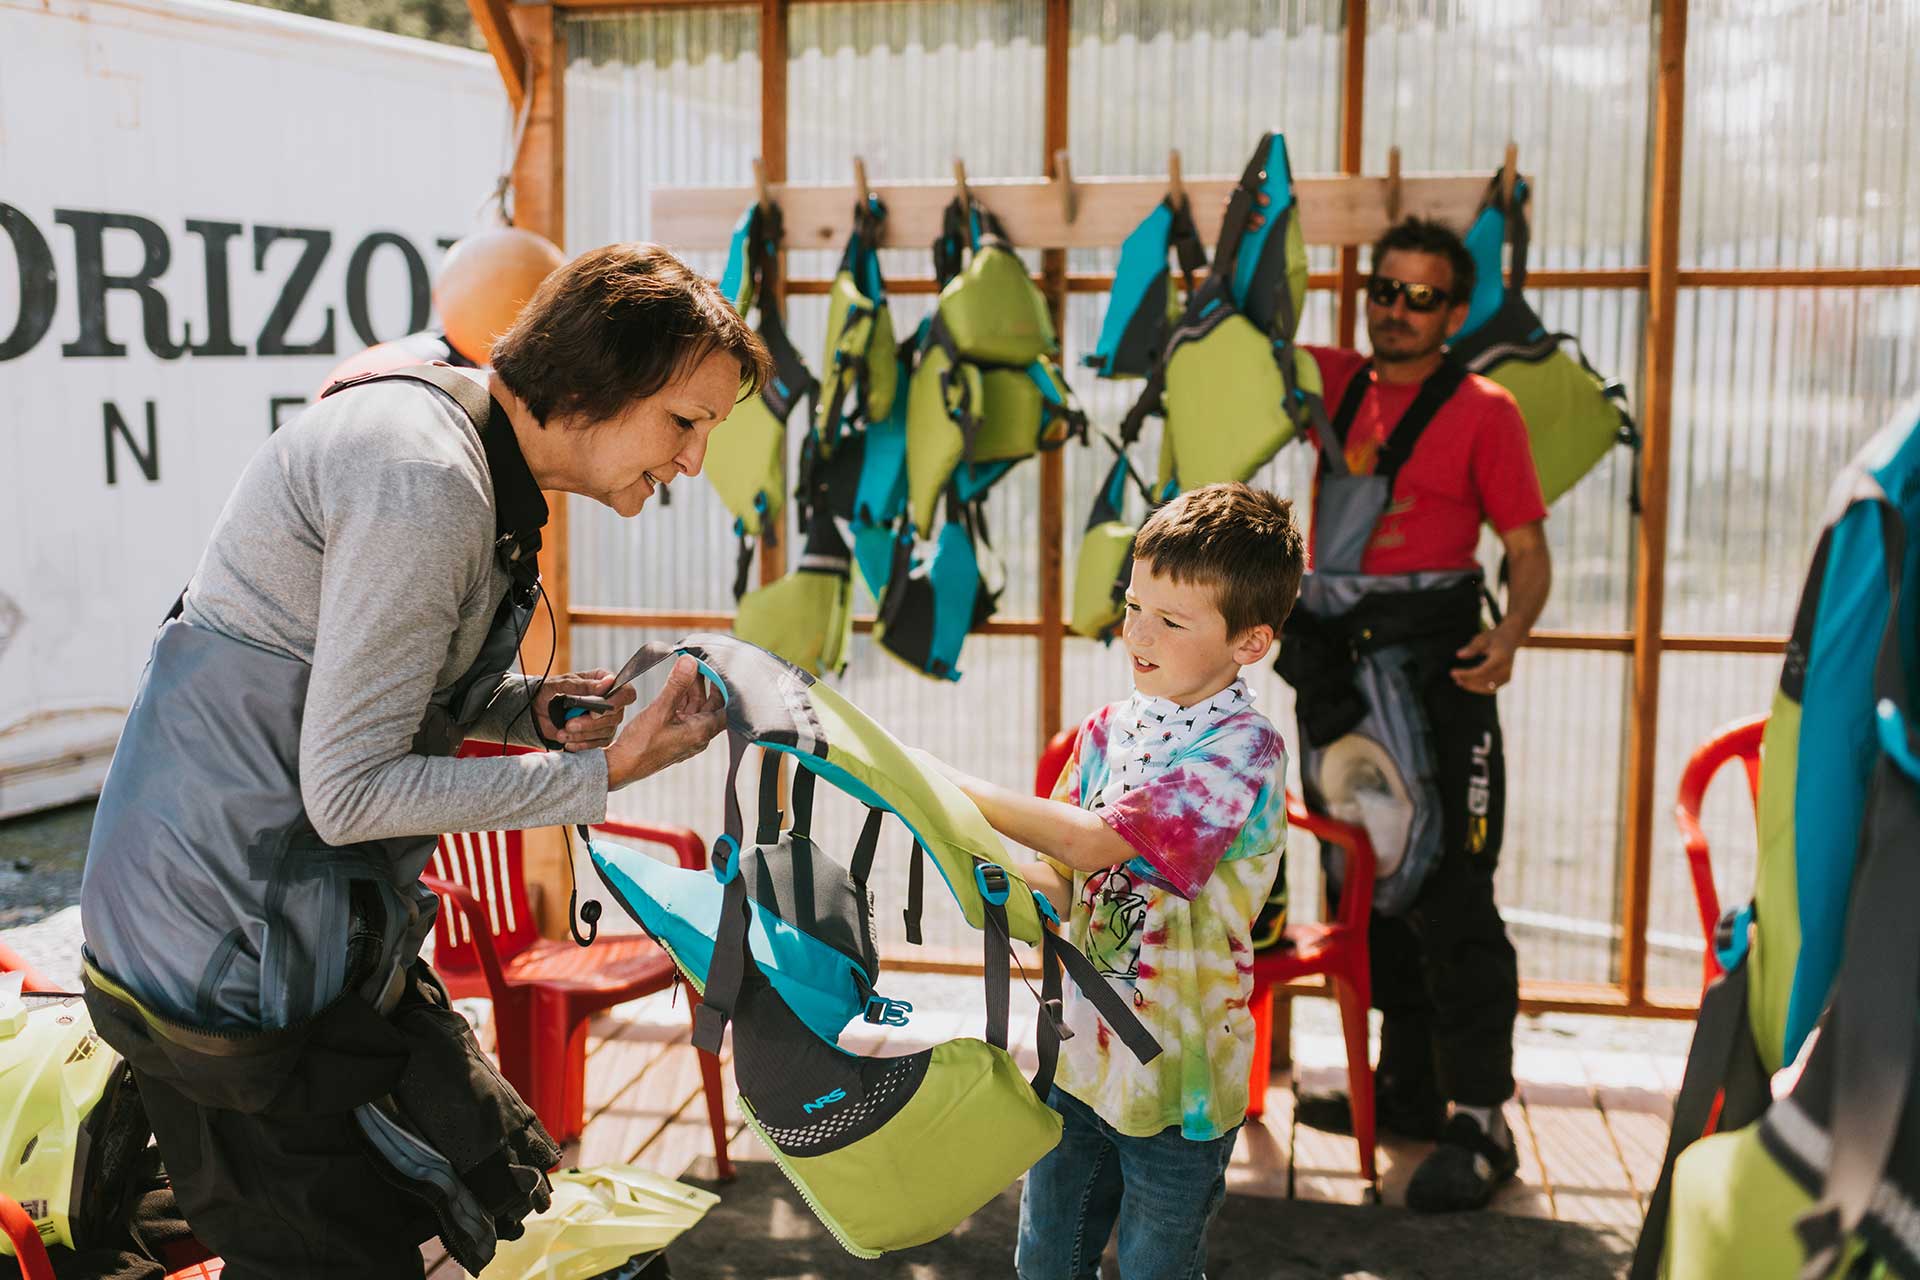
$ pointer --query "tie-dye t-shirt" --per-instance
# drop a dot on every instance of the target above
(1171, 928)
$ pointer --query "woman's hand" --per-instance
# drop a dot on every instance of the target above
(590, 731)
(677, 725)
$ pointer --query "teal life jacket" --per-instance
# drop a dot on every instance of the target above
(1573, 415)
(1231, 383)
(747, 457)
(1819, 1177)
(1143, 306)
(888, 1152)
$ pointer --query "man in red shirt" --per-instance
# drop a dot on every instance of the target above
(1424, 454)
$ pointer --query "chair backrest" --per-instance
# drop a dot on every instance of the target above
(1052, 760)
(1737, 741)
(489, 865)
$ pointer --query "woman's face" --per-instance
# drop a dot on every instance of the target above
(622, 461)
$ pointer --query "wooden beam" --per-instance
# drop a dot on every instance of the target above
(503, 42)
(1053, 485)
(1353, 105)
(1656, 412)
(1800, 278)
(539, 204)
(1102, 281)
(1333, 209)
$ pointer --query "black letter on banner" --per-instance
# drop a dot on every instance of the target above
(214, 236)
(421, 303)
(92, 283)
(38, 286)
(273, 334)
(148, 459)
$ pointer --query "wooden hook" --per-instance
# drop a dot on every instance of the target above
(1393, 186)
(960, 179)
(1063, 178)
(861, 189)
(760, 183)
(1176, 189)
(1509, 172)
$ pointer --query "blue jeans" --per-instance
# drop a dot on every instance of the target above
(1162, 1190)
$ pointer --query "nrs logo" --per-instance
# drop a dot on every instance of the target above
(824, 1101)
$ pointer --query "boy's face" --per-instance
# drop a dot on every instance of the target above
(1177, 642)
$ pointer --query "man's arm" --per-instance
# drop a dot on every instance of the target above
(1529, 578)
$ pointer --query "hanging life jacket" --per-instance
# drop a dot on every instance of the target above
(747, 457)
(1232, 384)
(1143, 306)
(1104, 565)
(1573, 415)
(1818, 1176)
(1361, 651)
(985, 394)
(858, 374)
(936, 595)
(987, 390)
(807, 616)
(888, 1152)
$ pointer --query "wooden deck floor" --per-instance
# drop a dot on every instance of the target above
(1591, 1125)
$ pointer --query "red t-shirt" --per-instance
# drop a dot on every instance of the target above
(1472, 464)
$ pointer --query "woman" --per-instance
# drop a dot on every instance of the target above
(251, 902)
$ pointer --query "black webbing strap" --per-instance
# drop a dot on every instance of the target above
(742, 564)
(862, 865)
(1050, 1028)
(1112, 1008)
(1871, 1019)
(996, 938)
(728, 964)
(1183, 237)
(916, 890)
(768, 831)
(1721, 1039)
(1434, 392)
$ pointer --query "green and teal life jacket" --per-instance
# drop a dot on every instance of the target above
(1104, 565)
(1822, 967)
(888, 1152)
(1232, 384)
(987, 392)
(747, 458)
(858, 374)
(1573, 415)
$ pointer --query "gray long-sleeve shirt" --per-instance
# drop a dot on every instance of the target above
(360, 540)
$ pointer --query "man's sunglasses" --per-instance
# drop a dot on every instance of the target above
(1382, 290)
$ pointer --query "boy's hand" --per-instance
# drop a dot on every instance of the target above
(1046, 878)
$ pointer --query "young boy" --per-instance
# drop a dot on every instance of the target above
(1166, 832)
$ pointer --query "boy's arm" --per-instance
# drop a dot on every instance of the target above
(1064, 832)
(1044, 877)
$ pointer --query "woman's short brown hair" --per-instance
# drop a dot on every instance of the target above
(1242, 542)
(616, 325)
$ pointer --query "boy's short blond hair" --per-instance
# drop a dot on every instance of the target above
(1241, 541)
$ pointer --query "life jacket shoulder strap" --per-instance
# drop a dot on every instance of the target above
(1434, 393)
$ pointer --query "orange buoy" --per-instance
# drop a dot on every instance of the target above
(485, 280)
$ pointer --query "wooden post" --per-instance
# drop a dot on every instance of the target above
(1656, 406)
(539, 204)
(773, 156)
(1052, 466)
(1352, 119)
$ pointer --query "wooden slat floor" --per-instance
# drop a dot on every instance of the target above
(1591, 1125)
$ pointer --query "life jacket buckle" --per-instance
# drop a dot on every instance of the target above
(991, 877)
(883, 1012)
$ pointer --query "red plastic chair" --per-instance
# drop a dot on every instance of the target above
(545, 990)
(1338, 950)
(1737, 741)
